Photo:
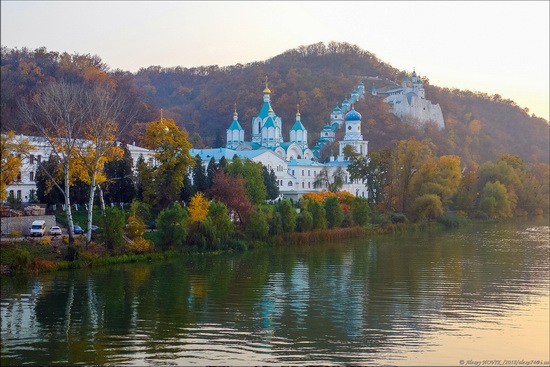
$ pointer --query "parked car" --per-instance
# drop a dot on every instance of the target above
(38, 228)
(77, 230)
(55, 231)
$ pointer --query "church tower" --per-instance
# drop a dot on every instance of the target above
(298, 133)
(235, 133)
(353, 135)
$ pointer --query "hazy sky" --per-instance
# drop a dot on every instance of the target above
(493, 47)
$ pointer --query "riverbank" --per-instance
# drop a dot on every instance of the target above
(33, 255)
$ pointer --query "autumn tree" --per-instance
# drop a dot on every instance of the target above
(11, 151)
(198, 207)
(172, 159)
(120, 185)
(172, 226)
(232, 192)
(58, 113)
(334, 213)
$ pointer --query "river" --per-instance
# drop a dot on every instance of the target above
(460, 297)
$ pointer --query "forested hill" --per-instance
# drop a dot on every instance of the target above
(479, 127)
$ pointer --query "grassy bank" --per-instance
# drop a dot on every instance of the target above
(34, 256)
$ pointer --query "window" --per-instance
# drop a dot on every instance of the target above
(308, 172)
(309, 185)
(289, 183)
(19, 176)
(349, 127)
(39, 159)
(302, 172)
(302, 184)
(18, 194)
(31, 159)
(31, 176)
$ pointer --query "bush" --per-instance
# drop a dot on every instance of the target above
(139, 246)
(22, 259)
(333, 212)
(453, 221)
(360, 211)
(15, 233)
(45, 241)
(257, 227)
(304, 221)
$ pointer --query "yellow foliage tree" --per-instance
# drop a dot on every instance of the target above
(198, 207)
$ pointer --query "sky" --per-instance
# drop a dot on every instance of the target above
(495, 47)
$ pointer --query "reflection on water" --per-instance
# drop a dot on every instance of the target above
(474, 294)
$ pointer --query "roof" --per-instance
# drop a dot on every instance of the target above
(298, 126)
(235, 126)
(269, 122)
(303, 162)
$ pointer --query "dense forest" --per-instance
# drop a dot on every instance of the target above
(479, 127)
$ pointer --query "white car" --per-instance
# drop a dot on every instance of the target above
(54, 231)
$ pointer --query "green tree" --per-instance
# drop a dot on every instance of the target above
(172, 226)
(318, 213)
(145, 185)
(502, 207)
(426, 207)
(112, 228)
(218, 214)
(360, 211)
(288, 215)
(200, 180)
(120, 187)
(270, 182)
(304, 221)
(257, 227)
(333, 212)
(211, 171)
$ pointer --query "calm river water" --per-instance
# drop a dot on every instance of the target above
(446, 298)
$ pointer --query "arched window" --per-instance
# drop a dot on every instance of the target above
(289, 183)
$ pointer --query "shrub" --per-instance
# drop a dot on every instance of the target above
(22, 259)
(360, 211)
(15, 233)
(45, 241)
(333, 212)
(139, 246)
(257, 227)
(304, 221)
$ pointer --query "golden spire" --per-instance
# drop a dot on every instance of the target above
(297, 110)
(266, 90)
(235, 114)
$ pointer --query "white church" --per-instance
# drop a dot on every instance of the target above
(294, 163)
(409, 102)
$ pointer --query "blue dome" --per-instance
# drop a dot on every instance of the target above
(353, 115)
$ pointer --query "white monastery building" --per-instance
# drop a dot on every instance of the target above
(409, 102)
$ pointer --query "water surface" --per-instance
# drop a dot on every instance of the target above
(480, 293)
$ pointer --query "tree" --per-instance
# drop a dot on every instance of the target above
(288, 215)
(232, 192)
(426, 207)
(112, 228)
(252, 174)
(198, 207)
(172, 226)
(211, 171)
(333, 212)
(495, 201)
(304, 221)
(11, 151)
(107, 117)
(200, 180)
(172, 156)
(332, 183)
(58, 113)
(270, 182)
(145, 185)
(407, 159)
(318, 214)
(257, 227)
(360, 211)
(120, 186)
(218, 215)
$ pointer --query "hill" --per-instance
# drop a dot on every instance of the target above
(479, 127)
